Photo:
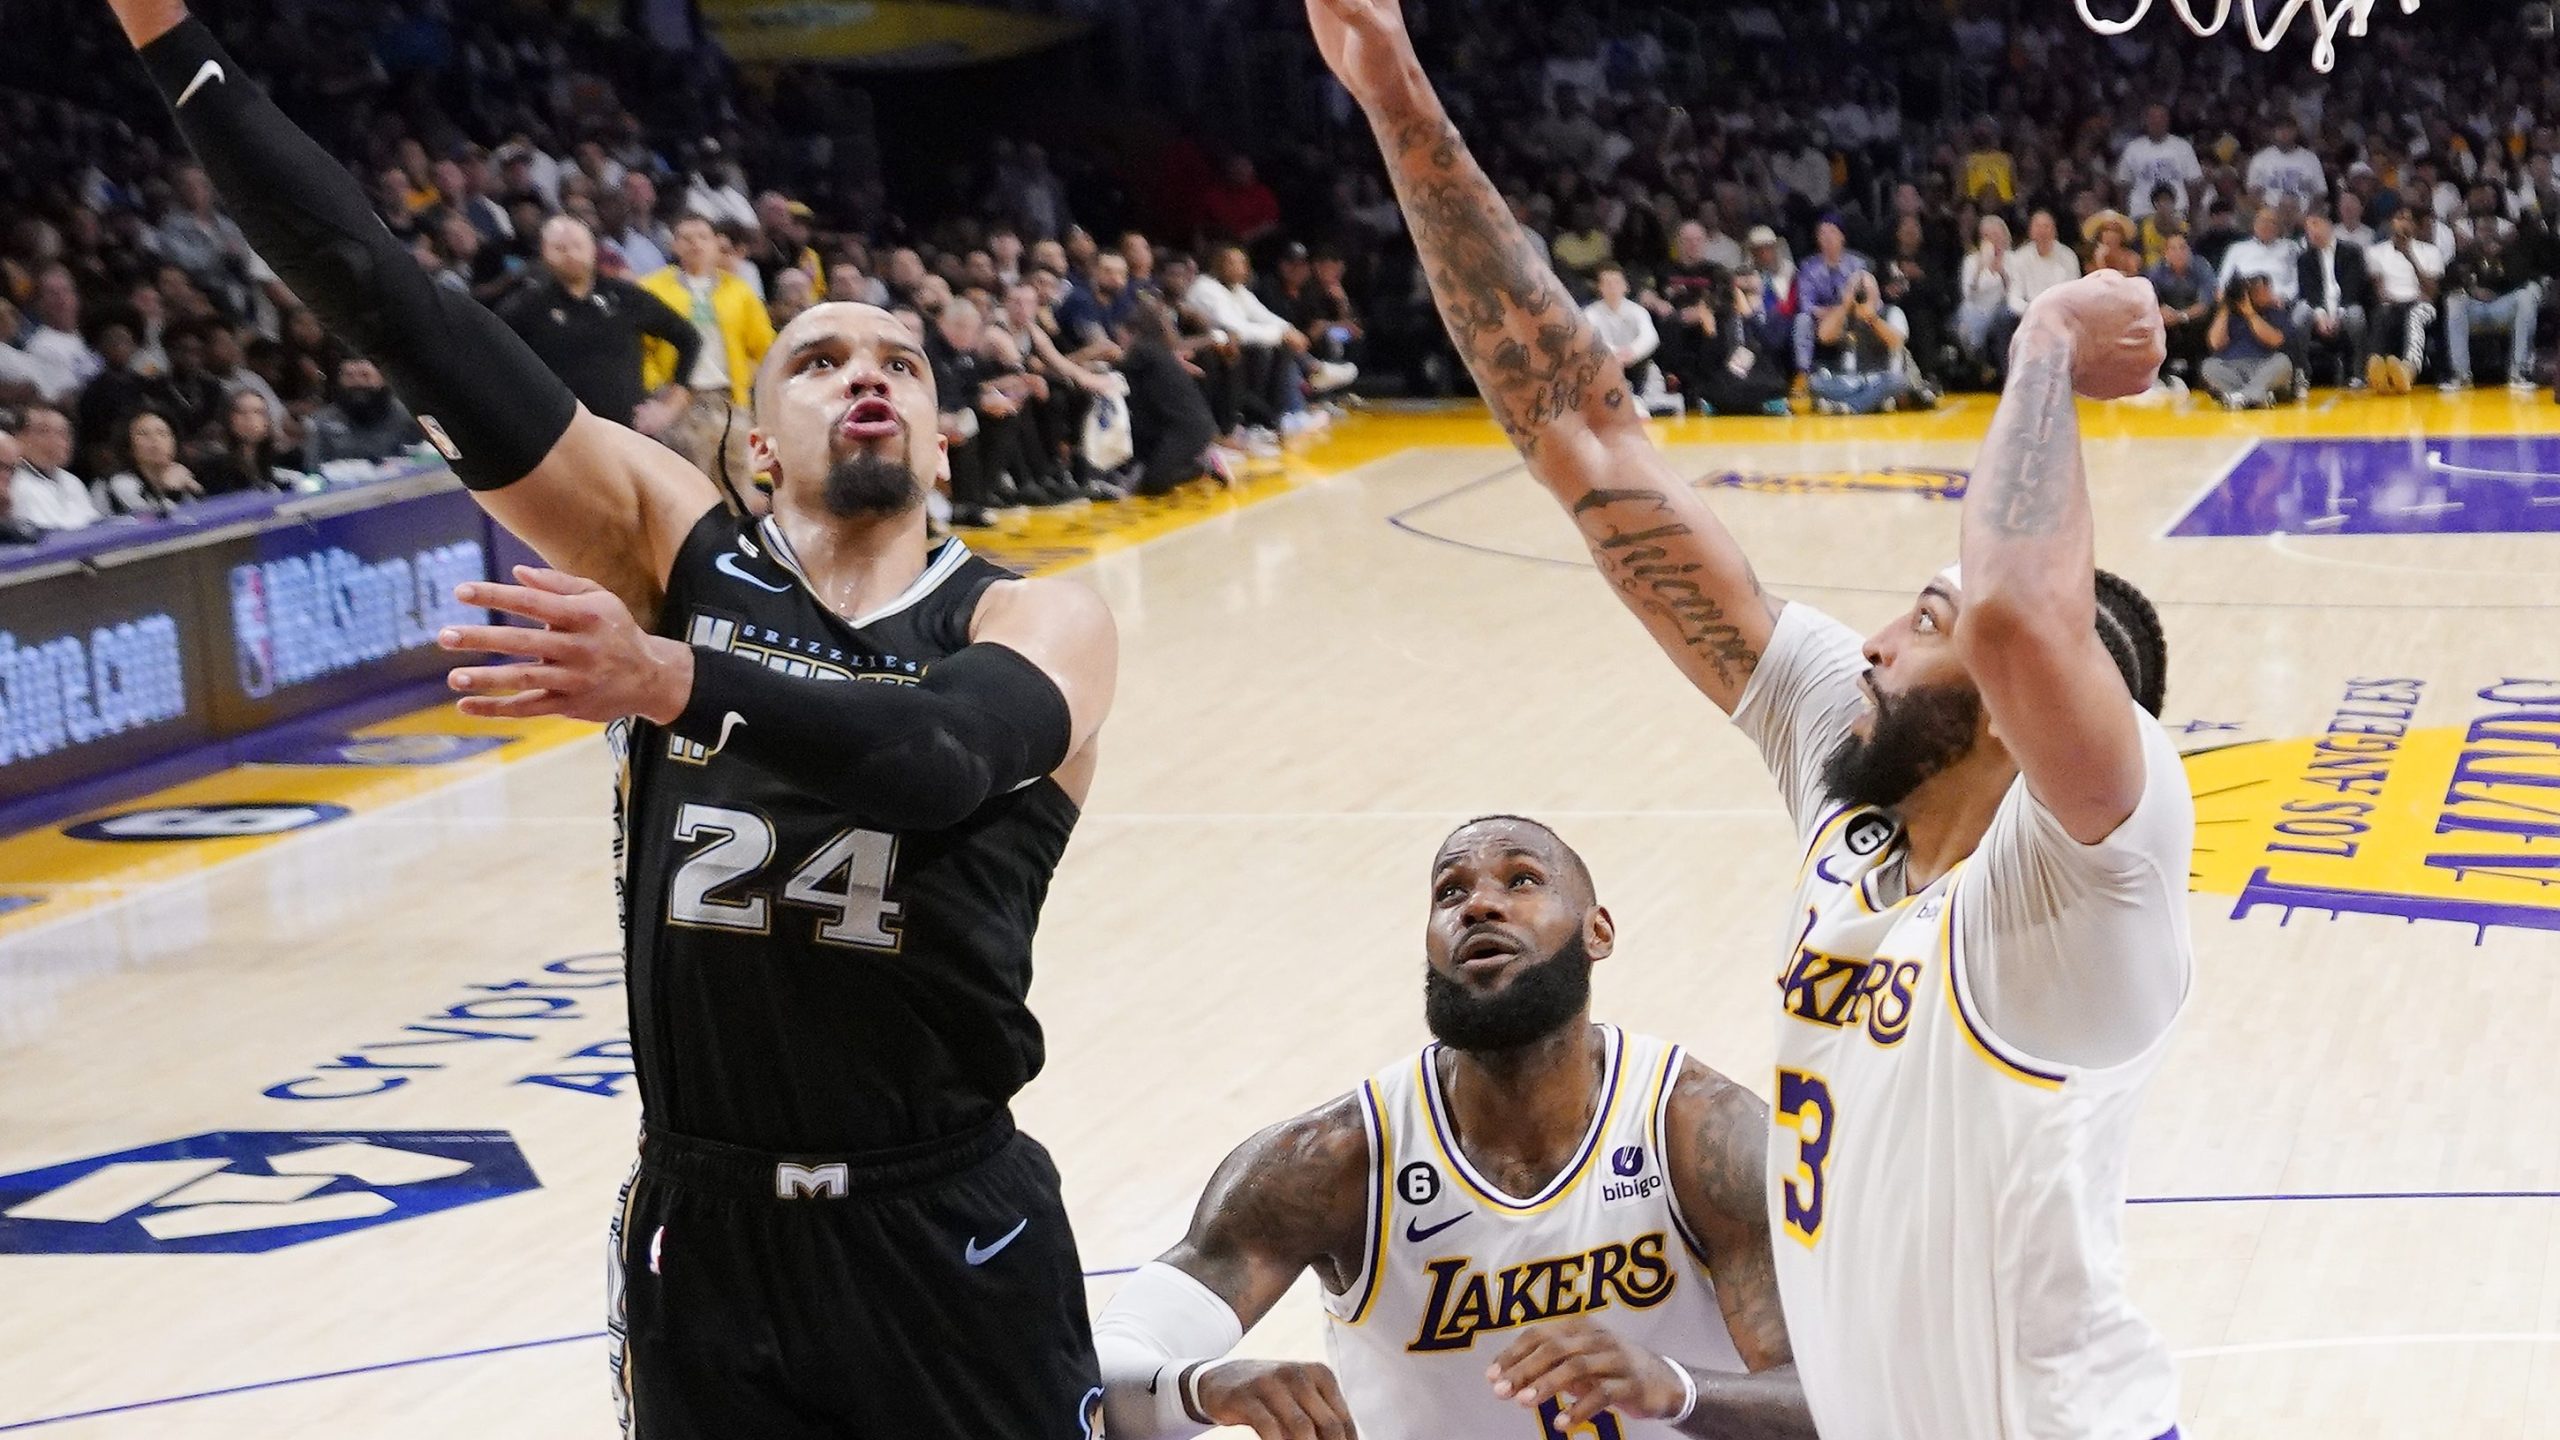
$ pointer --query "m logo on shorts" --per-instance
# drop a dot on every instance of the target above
(802, 1182)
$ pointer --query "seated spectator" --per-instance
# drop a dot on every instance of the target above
(1582, 247)
(1089, 315)
(13, 531)
(1857, 365)
(247, 453)
(995, 460)
(2268, 252)
(846, 282)
(189, 395)
(56, 339)
(2110, 238)
(1916, 286)
(152, 481)
(783, 226)
(111, 398)
(735, 327)
(1768, 255)
(2351, 227)
(792, 293)
(1982, 300)
(2188, 296)
(1823, 285)
(1169, 419)
(363, 422)
(2159, 223)
(25, 378)
(1736, 365)
(2037, 266)
(2251, 345)
(1328, 315)
(2406, 271)
(43, 492)
(2335, 298)
(1239, 204)
(1064, 393)
(1252, 344)
(2286, 169)
(2491, 285)
(1627, 329)
(2154, 158)
(1990, 174)
(226, 363)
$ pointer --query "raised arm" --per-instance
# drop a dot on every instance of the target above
(2027, 626)
(1554, 388)
(1718, 1134)
(1291, 1198)
(591, 496)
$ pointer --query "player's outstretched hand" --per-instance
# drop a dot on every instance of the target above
(1585, 1367)
(2113, 323)
(1365, 43)
(1277, 1400)
(589, 661)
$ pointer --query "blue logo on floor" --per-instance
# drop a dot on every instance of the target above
(10, 904)
(382, 749)
(240, 1192)
(206, 822)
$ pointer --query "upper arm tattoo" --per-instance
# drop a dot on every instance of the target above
(2031, 473)
(1527, 344)
(1293, 1197)
(1719, 1137)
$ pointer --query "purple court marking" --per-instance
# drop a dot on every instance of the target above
(1405, 520)
(2416, 485)
(1112, 1270)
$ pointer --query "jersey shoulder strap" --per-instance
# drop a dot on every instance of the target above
(719, 529)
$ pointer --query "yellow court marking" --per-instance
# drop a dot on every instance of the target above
(2458, 824)
(66, 875)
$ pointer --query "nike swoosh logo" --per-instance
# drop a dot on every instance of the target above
(977, 1256)
(1414, 1232)
(727, 565)
(208, 73)
(728, 723)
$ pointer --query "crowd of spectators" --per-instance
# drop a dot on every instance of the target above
(1842, 208)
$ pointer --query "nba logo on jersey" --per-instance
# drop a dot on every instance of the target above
(1631, 1184)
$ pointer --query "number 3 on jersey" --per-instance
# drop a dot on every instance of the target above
(1603, 1426)
(1804, 1106)
(735, 844)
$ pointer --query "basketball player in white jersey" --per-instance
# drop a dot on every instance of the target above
(1988, 945)
(1538, 1225)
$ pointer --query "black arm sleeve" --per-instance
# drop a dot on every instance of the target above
(659, 319)
(480, 394)
(901, 757)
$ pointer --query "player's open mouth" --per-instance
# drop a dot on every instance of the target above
(869, 419)
(1486, 948)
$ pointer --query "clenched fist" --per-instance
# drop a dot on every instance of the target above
(2112, 323)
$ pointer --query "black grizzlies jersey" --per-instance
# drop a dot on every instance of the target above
(800, 984)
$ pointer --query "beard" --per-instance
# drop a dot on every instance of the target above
(1539, 1000)
(860, 486)
(1914, 737)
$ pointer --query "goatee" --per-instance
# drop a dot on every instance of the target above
(1914, 736)
(860, 486)
(1538, 1001)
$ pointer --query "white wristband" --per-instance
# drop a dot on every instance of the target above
(1191, 1379)
(1688, 1392)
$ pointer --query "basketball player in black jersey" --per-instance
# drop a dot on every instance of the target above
(829, 888)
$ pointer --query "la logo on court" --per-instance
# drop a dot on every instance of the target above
(247, 1191)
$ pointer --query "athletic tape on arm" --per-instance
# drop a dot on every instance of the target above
(485, 400)
(1160, 1328)
(905, 757)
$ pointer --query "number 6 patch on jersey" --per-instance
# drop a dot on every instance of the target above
(1804, 1106)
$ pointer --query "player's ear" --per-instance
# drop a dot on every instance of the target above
(761, 458)
(1599, 933)
(941, 458)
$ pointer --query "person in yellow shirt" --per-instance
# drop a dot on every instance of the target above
(1986, 164)
(736, 328)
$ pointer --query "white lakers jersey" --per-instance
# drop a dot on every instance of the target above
(1945, 1206)
(1455, 1269)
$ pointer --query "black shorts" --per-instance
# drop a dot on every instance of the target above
(923, 1294)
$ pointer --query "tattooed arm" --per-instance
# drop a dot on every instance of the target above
(1718, 1134)
(1556, 390)
(1292, 1198)
(2027, 626)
